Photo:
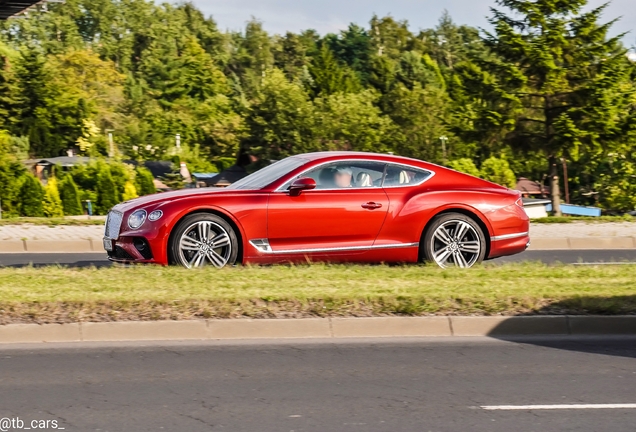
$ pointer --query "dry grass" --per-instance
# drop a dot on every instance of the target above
(57, 294)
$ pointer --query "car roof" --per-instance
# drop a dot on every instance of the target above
(355, 154)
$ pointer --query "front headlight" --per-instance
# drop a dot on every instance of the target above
(136, 219)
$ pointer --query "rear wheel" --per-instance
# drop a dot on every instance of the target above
(454, 240)
(203, 239)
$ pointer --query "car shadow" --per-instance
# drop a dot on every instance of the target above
(75, 264)
(589, 324)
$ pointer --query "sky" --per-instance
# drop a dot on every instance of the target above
(330, 16)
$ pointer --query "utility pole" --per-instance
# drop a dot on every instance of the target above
(111, 145)
(178, 142)
(443, 139)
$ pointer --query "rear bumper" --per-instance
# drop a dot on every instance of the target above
(508, 246)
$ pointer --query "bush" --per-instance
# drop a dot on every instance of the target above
(464, 165)
(52, 204)
(11, 176)
(106, 191)
(498, 171)
(31, 196)
(70, 196)
(144, 181)
(130, 192)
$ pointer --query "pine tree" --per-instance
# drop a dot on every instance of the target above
(69, 194)
(562, 83)
(330, 76)
(52, 204)
(106, 191)
(31, 195)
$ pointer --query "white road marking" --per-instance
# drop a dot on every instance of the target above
(556, 407)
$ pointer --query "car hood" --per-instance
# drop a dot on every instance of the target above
(165, 197)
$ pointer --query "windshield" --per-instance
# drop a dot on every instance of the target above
(269, 174)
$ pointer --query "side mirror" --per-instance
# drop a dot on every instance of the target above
(301, 184)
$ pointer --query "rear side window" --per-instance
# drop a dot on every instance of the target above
(346, 174)
(400, 175)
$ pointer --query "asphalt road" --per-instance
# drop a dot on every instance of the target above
(371, 385)
(549, 257)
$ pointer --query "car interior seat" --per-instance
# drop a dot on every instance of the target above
(404, 177)
(363, 179)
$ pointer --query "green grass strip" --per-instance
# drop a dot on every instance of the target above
(57, 294)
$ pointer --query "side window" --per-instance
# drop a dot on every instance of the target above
(347, 174)
(400, 175)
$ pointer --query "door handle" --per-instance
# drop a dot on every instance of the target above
(371, 205)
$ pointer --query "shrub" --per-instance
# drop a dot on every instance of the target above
(70, 196)
(11, 176)
(464, 165)
(31, 195)
(498, 171)
(52, 204)
(144, 181)
(130, 191)
(106, 191)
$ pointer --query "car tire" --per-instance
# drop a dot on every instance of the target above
(453, 240)
(203, 239)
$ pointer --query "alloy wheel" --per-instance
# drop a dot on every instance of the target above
(455, 243)
(204, 242)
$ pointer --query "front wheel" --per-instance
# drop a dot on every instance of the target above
(203, 239)
(454, 240)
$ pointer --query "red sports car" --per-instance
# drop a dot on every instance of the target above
(328, 206)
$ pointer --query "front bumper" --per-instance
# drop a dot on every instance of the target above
(127, 250)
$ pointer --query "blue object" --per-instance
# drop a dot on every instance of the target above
(576, 210)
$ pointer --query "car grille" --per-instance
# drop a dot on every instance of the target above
(113, 224)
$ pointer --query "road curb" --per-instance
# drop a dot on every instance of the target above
(336, 328)
(582, 243)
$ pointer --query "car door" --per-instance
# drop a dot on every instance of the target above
(332, 216)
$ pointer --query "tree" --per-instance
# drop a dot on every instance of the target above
(350, 122)
(52, 204)
(106, 191)
(10, 99)
(330, 77)
(11, 173)
(31, 195)
(69, 194)
(565, 84)
(280, 119)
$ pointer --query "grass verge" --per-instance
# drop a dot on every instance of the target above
(57, 294)
(51, 221)
(570, 219)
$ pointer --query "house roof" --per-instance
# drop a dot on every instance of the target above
(9, 8)
(531, 187)
(61, 160)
